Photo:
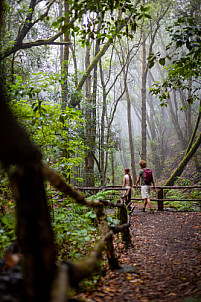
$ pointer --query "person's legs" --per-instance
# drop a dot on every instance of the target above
(149, 203)
(129, 195)
(145, 191)
(124, 195)
(128, 200)
(144, 205)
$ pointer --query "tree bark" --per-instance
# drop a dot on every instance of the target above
(155, 148)
(175, 122)
(112, 167)
(130, 134)
(102, 128)
(143, 102)
(34, 233)
(189, 110)
(89, 160)
(144, 80)
(64, 90)
(195, 129)
(184, 162)
(104, 229)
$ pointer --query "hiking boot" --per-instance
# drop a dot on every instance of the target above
(143, 210)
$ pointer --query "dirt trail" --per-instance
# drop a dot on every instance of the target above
(167, 255)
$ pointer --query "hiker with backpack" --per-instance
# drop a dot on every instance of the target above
(146, 177)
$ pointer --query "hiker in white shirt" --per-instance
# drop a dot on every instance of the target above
(128, 185)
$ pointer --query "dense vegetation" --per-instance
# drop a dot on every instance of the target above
(99, 87)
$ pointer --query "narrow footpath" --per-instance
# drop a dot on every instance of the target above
(167, 255)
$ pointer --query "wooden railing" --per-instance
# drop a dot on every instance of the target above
(44, 279)
(107, 231)
(159, 189)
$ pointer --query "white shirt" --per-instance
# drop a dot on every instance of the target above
(127, 183)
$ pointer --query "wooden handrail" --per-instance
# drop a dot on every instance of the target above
(166, 199)
(120, 187)
(159, 190)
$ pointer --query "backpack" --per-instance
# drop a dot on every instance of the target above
(148, 177)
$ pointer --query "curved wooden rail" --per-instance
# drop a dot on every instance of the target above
(160, 193)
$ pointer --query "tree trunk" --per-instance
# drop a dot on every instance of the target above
(130, 131)
(102, 128)
(112, 167)
(157, 129)
(143, 102)
(61, 48)
(34, 233)
(155, 148)
(196, 161)
(189, 110)
(89, 160)
(184, 162)
(64, 87)
(175, 122)
(195, 129)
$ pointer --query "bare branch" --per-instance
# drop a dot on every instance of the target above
(27, 45)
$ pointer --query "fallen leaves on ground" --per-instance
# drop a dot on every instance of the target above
(166, 253)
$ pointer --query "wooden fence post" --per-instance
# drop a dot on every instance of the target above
(34, 233)
(160, 200)
(105, 229)
(125, 234)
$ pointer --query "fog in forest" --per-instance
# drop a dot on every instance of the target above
(87, 89)
(131, 75)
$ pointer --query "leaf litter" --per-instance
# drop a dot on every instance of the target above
(166, 255)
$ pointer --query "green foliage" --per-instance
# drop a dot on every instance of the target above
(74, 230)
(191, 299)
(109, 195)
(112, 219)
(105, 195)
(178, 205)
(73, 226)
(104, 13)
(183, 205)
(7, 215)
(89, 284)
(56, 131)
(7, 225)
(185, 37)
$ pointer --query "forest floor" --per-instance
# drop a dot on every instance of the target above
(167, 255)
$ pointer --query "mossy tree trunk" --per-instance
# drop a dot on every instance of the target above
(102, 126)
(89, 160)
(125, 234)
(143, 101)
(129, 119)
(105, 229)
(34, 233)
(178, 171)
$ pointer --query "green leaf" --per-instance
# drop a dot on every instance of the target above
(147, 16)
(162, 61)
(140, 16)
(55, 24)
(151, 64)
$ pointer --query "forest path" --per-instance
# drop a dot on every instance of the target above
(167, 255)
